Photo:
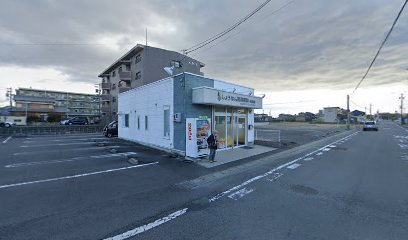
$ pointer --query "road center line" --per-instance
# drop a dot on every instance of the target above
(220, 195)
(241, 193)
(5, 141)
(144, 228)
(76, 176)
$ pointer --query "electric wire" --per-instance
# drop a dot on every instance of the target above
(381, 46)
(223, 33)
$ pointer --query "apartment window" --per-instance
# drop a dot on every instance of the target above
(175, 64)
(113, 99)
(127, 67)
(126, 120)
(113, 73)
(138, 58)
(138, 122)
(120, 69)
(113, 86)
(166, 121)
(146, 123)
(138, 75)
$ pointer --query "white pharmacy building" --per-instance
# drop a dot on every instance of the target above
(178, 114)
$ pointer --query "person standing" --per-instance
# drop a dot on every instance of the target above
(212, 145)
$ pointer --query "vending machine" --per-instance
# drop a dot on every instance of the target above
(197, 132)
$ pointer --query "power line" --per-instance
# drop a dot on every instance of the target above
(223, 33)
(226, 39)
(381, 46)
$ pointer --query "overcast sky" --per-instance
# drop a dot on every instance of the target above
(307, 56)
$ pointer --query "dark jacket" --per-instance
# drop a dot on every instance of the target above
(212, 142)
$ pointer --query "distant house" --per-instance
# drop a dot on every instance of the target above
(286, 117)
(262, 118)
(330, 114)
(305, 117)
(357, 113)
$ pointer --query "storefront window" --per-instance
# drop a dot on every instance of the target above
(220, 126)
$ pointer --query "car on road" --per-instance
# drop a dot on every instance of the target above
(77, 121)
(7, 124)
(370, 126)
(111, 129)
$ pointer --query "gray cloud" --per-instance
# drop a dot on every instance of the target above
(310, 44)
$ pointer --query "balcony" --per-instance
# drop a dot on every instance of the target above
(106, 86)
(106, 98)
(125, 76)
(105, 109)
(124, 89)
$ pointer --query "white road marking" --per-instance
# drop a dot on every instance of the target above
(69, 159)
(64, 136)
(294, 166)
(144, 228)
(403, 146)
(239, 194)
(308, 159)
(65, 140)
(76, 176)
(59, 150)
(332, 146)
(58, 144)
(275, 177)
(222, 194)
(319, 153)
(326, 149)
(5, 141)
(403, 137)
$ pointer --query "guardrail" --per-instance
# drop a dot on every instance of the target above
(50, 130)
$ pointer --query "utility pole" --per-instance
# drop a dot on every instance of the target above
(371, 106)
(402, 107)
(348, 111)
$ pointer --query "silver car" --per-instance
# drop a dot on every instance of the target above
(370, 126)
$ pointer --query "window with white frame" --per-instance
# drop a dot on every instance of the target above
(166, 121)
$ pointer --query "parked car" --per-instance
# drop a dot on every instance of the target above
(77, 121)
(111, 129)
(62, 122)
(7, 124)
(370, 126)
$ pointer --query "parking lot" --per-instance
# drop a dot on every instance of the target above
(50, 185)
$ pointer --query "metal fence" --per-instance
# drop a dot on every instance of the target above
(268, 135)
(50, 130)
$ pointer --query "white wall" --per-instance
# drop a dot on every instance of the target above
(148, 101)
(330, 115)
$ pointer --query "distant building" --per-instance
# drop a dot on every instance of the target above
(262, 117)
(286, 117)
(330, 114)
(140, 66)
(42, 103)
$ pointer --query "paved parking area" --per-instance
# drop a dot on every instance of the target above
(75, 186)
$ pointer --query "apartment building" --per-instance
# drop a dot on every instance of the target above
(41, 103)
(140, 66)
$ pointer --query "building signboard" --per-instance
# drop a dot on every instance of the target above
(211, 96)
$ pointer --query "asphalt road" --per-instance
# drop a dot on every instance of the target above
(349, 186)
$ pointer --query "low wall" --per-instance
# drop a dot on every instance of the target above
(50, 130)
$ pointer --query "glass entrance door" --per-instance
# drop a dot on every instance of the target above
(239, 131)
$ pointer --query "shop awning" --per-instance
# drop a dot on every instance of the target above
(212, 96)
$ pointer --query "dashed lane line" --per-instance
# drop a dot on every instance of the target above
(75, 176)
(294, 166)
(222, 194)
